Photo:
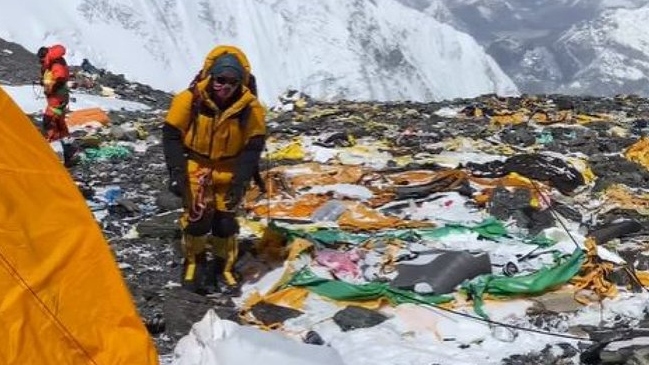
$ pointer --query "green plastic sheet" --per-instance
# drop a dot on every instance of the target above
(343, 291)
(488, 229)
(105, 153)
(535, 283)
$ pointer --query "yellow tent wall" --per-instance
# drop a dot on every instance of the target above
(62, 298)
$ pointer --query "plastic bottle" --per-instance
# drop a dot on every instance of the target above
(329, 212)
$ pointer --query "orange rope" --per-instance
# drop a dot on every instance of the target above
(197, 208)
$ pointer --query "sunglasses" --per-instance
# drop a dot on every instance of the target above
(223, 80)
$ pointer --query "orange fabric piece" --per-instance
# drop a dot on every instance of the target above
(301, 208)
(359, 217)
(63, 298)
(414, 177)
(325, 175)
(85, 116)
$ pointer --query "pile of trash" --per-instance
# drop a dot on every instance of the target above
(458, 229)
(454, 205)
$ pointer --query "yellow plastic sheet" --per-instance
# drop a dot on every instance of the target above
(639, 152)
(292, 151)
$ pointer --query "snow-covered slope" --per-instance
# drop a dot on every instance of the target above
(330, 49)
(570, 46)
(609, 54)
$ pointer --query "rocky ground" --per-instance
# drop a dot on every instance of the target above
(140, 226)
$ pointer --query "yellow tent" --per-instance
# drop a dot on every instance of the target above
(62, 297)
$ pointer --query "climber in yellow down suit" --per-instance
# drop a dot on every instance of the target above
(213, 137)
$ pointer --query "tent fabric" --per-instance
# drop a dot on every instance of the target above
(63, 298)
(534, 283)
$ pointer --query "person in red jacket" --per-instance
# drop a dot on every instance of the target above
(54, 78)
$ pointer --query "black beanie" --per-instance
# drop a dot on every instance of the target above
(227, 62)
(42, 52)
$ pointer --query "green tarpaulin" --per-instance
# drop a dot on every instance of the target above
(489, 229)
(340, 290)
(535, 283)
(110, 152)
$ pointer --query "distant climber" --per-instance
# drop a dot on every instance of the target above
(212, 140)
(55, 75)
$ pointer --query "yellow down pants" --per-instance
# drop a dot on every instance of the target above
(206, 224)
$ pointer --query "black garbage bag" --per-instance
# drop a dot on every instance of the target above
(561, 175)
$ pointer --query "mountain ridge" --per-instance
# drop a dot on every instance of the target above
(355, 50)
(565, 46)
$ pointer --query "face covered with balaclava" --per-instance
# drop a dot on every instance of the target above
(226, 73)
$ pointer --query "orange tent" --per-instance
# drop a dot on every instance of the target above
(63, 299)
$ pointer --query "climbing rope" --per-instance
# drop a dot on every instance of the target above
(199, 203)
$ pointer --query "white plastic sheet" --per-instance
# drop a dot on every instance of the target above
(214, 341)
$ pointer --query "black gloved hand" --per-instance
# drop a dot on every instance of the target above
(234, 196)
(178, 182)
(246, 165)
(172, 146)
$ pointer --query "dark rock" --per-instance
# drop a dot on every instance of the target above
(620, 277)
(128, 206)
(168, 201)
(567, 212)
(642, 262)
(313, 338)
(270, 314)
(18, 65)
(353, 317)
(518, 136)
(562, 354)
(161, 226)
(614, 230)
(618, 170)
(640, 356)
(183, 308)
(156, 325)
